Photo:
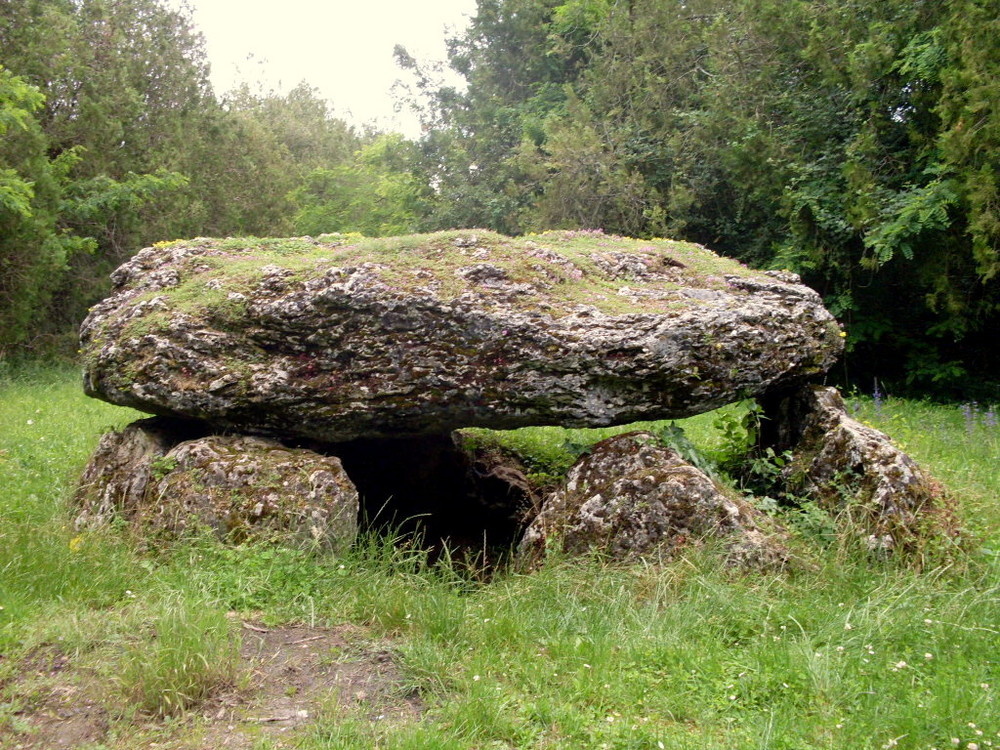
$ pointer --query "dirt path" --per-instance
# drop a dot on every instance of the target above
(290, 678)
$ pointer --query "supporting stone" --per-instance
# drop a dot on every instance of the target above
(854, 471)
(114, 481)
(164, 486)
(632, 497)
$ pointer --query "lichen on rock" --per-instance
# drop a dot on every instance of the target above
(114, 481)
(164, 486)
(246, 487)
(422, 335)
(632, 497)
(855, 471)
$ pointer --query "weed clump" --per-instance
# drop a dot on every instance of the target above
(188, 653)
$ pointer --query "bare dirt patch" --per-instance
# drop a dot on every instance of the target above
(288, 678)
(51, 703)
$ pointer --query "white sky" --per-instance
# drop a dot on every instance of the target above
(342, 47)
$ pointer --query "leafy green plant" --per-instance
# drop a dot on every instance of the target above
(161, 466)
(672, 435)
(737, 431)
(762, 471)
(812, 520)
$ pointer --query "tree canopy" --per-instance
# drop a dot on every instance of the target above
(113, 139)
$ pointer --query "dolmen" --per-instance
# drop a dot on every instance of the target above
(284, 372)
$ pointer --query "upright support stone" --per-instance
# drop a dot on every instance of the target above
(249, 488)
(114, 481)
(632, 497)
(854, 471)
(164, 485)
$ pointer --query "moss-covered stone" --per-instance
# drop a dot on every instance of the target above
(631, 497)
(249, 488)
(163, 484)
(856, 473)
(115, 479)
(338, 338)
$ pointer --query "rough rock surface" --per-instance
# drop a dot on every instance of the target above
(240, 487)
(501, 477)
(631, 496)
(243, 486)
(335, 340)
(115, 479)
(848, 466)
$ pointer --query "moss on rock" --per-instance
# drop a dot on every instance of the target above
(341, 338)
(163, 483)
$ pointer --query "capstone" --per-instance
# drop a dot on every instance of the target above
(336, 340)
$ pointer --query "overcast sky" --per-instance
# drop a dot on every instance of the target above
(342, 47)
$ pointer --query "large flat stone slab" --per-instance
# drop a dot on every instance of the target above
(336, 339)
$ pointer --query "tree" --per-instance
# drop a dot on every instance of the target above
(252, 152)
(33, 251)
(120, 81)
(126, 145)
(586, 177)
(121, 78)
(513, 84)
(376, 195)
(853, 142)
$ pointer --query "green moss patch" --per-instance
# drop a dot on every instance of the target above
(569, 268)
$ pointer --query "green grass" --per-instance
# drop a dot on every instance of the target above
(192, 654)
(549, 452)
(838, 652)
(46, 433)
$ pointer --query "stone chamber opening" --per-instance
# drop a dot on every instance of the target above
(431, 492)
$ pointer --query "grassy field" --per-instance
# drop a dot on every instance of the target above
(101, 647)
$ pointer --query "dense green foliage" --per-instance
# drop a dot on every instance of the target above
(839, 651)
(375, 193)
(33, 251)
(856, 143)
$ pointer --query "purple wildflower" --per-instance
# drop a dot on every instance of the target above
(990, 417)
(970, 411)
